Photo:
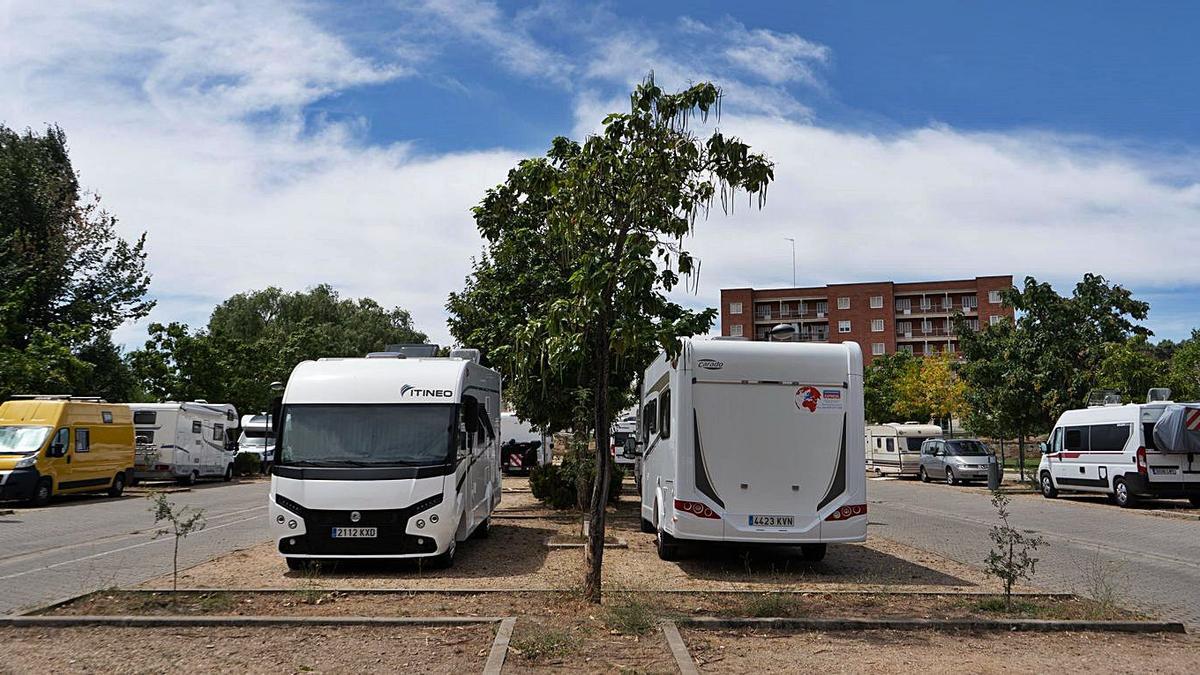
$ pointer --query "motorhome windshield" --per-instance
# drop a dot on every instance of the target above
(367, 435)
(255, 438)
(22, 440)
(966, 449)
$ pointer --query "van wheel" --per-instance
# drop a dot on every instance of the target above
(665, 544)
(813, 552)
(444, 560)
(647, 526)
(228, 473)
(1194, 501)
(922, 475)
(950, 478)
(1121, 494)
(42, 493)
(484, 529)
(190, 479)
(118, 486)
(297, 564)
(1048, 489)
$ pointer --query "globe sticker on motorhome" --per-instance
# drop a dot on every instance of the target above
(818, 399)
(710, 364)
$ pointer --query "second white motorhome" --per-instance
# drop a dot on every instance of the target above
(755, 443)
(895, 449)
(258, 438)
(385, 457)
(183, 441)
(521, 448)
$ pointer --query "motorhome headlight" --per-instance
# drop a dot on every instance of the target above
(420, 523)
(434, 518)
(25, 462)
(279, 519)
(292, 524)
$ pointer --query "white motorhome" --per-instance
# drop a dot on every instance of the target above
(895, 449)
(755, 443)
(183, 441)
(258, 438)
(521, 448)
(385, 457)
(1125, 451)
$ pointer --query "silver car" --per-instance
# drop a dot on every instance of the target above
(954, 460)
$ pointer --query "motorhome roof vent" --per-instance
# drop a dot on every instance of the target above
(386, 355)
(730, 338)
(413, 351)
(465, 354)
(1158, 394)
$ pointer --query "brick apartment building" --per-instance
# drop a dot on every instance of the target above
(882, 317)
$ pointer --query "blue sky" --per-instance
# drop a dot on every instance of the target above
(344, 142)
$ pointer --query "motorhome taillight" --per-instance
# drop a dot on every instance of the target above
(696, 509)
(848, 511)
(1141, 461)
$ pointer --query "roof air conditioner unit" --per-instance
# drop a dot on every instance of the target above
(1158, 394)
(466, 354)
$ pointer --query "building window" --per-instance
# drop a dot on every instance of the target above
(995, 319)
(843, 326)
(878, 348)
(970, 302)
(822, 308)
(876, 325)
(735, 308)
(926, 304)
(735, 330)
(905, 328)
(876, 302)
(994, 297)
(905, 348)
(974, 324)
(929, 348)
(843, 303)
(904, 305)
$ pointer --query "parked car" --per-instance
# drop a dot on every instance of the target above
(959, 460)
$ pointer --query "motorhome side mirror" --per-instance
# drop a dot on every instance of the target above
(631, 445)
(276, 413)
(470, 413)
(1043, 447)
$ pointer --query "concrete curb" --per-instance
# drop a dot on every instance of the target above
(679, 650)
(680, 591)
(617, 543)
(857, 624)
(495, 661)
(6, 512)
(20, 621)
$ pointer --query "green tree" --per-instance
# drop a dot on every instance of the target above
(930, 387)
(68, 279)
(253, 339)
(614, 210)
(1132, 368)
(1184, 369)
(881, 389)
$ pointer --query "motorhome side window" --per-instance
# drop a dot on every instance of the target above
(1075, 439)
(218, 432)
(650, 419)
(1108, 437)
(83, 441)
(891, 446)
(196, 428)
(664, 412)
(144, 417)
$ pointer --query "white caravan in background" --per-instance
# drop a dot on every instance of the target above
(756, 443)
(1125, 451)
(258, 438)
(385, 457)
(521, 448)
(183, 441)
(895, 449)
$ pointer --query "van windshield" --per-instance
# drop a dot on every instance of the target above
(967, 449)
(22, 440)
(367, 435)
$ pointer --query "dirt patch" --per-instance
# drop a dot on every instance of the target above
(587, 646)
(629, 612)
(97, 649)
(908, 652)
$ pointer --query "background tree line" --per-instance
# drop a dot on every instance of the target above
(67, 280)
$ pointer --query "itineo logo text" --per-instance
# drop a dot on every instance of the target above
(409, 390)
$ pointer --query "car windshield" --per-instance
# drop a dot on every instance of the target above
(22, 440)
(367, 435)
(967, 449)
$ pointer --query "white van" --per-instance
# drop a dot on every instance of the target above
(754, 442)
(521, 448)
(1113, 450)
(258, 438)
(385, 457)
(183, 441)
(895, 449)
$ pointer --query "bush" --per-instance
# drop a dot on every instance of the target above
(247, 464)
(566, 485)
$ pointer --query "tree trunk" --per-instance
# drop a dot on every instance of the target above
(595, 542)
(1021, 455)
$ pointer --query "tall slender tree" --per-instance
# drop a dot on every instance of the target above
(614, 212)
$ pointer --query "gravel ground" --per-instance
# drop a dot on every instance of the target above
(896, 652)
(96, 649)
(515, 556)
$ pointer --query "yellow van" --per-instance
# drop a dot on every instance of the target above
(59, 444)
